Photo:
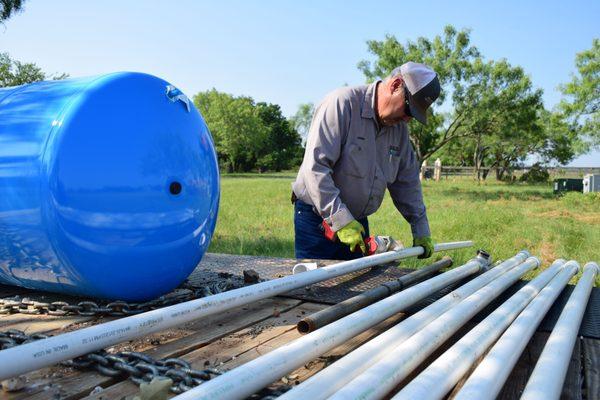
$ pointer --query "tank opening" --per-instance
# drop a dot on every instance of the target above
(175, 188)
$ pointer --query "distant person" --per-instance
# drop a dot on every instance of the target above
(358, 145)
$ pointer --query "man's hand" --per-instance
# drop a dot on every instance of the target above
(351, 235)
(427, 245)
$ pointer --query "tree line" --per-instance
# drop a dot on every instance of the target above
(489, 115)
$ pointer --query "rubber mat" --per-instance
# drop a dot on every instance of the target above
(331, 291)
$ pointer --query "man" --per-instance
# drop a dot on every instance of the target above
(358, 145)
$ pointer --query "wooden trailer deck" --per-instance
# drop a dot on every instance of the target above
(232, 338)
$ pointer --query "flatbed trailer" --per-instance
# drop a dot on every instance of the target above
(237, 336)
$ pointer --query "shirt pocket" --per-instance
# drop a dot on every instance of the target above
(357, 160)
(391, 164)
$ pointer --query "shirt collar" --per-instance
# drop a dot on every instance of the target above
(368, 107)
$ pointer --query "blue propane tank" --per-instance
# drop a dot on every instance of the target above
(109, 186)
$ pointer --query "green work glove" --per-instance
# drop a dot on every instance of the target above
(351, 235)
(427, 245)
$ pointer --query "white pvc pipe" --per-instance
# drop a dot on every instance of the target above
(488, 378)
(249, 378)
(45, 352)
(548, 376)
(382, 377)
(303, 267)
(443, 374)
(331, 379)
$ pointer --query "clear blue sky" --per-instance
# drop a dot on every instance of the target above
(289, 52)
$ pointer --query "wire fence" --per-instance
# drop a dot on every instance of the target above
(428, 172)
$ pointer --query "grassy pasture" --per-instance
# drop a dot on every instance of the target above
(256, 218)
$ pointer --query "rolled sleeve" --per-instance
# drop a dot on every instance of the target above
(323, 148)
(407, 195)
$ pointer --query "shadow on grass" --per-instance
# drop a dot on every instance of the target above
(483, 195)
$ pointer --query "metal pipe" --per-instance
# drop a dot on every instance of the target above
(337, 311)
(389, 371)
(488, 378)
(45, 352)
(249, 378)
(549, 374)
(335, 376)
(443, 374)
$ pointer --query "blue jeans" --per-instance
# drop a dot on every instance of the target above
(311, 242)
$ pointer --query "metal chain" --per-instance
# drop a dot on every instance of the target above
(116, 308)
(138, 367)
(141, 368)
(14, 337)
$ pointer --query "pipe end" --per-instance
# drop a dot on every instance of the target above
(305, 326)
(538, 262)
(303, 267)
(592, 265)
(447, 260)
(523, 253)
(559, 261)
(573, 263)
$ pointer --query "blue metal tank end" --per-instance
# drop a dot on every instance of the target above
(128, 188)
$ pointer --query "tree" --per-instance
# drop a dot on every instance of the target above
(236, 127)
(581, 102)
(451, 55)
(15, 73)
(281, 148)
(9, 7)
(302, 119)
(562, 140)
(499, 111)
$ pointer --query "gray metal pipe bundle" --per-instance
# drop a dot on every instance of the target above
(337, 311)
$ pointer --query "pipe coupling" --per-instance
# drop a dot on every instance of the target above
(484, 259)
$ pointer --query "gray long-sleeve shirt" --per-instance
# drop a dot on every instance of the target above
(350, 160)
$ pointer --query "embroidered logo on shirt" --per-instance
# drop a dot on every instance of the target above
(394, 151)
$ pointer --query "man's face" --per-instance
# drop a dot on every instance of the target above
(393, 109)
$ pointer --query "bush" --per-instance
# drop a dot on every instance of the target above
(536, 174)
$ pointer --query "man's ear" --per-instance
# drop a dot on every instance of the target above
(396, 84)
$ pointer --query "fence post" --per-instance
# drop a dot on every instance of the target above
(437, 172)
(423, 170)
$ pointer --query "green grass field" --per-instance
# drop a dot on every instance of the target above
(256, 218)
